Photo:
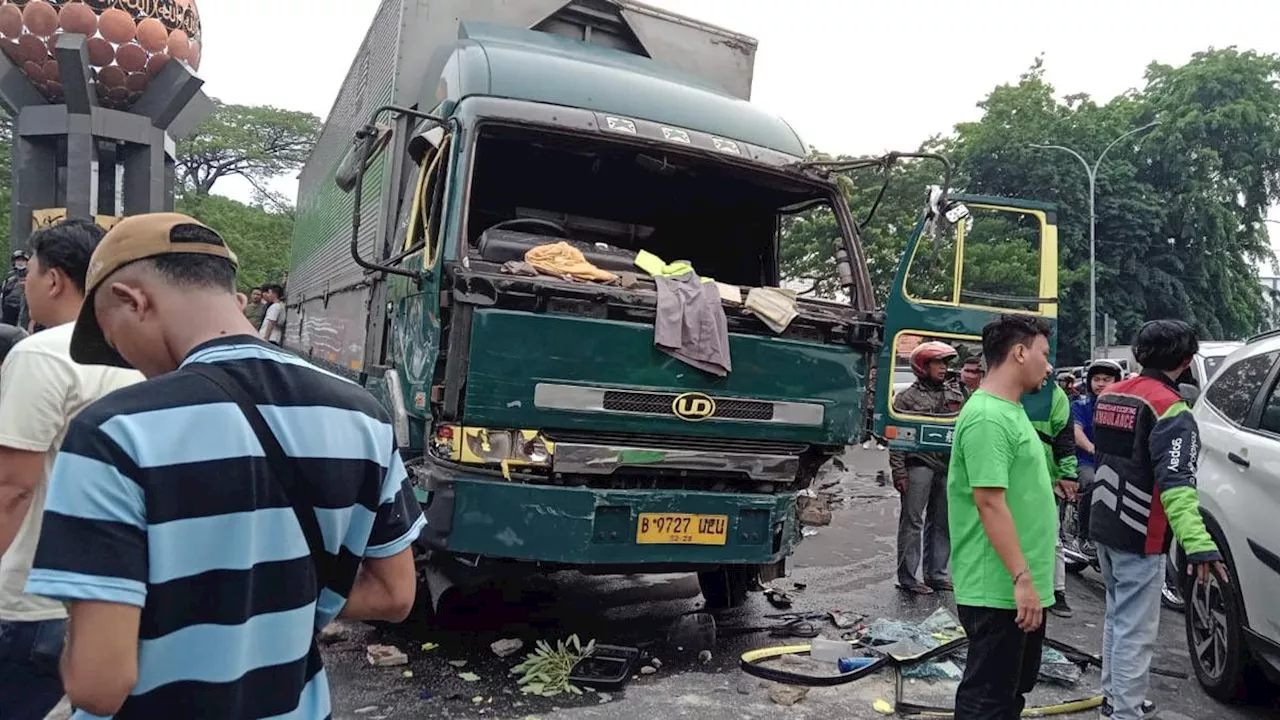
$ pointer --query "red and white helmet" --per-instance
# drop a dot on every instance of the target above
(926, 353)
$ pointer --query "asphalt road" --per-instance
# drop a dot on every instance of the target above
(847, 566)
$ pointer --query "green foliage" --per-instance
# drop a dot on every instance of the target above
(546, 670)
(257, 143)
(259, 238)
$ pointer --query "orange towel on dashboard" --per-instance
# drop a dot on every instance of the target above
(561, 259)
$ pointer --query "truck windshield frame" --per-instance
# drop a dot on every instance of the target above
(760, 166)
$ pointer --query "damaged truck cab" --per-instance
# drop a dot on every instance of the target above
(541, 424)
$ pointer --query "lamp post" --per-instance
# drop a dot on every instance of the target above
(1092, 172)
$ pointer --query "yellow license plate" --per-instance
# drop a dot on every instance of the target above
(682, 529)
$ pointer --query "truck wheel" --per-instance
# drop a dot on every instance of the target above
(726, 587)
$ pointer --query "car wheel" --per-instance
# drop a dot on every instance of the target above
(1215, 635)
(726, 587)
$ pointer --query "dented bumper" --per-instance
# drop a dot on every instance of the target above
(472, 513)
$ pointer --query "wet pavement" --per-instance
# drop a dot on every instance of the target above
(847, 566)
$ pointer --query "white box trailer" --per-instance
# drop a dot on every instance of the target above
(400, 62)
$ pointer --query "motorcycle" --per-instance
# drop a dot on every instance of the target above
(1078, 553)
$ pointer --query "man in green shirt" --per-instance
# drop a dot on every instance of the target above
(1003, 522)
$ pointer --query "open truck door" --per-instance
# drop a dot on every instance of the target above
(961, 270)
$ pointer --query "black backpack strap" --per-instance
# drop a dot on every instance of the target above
(1043, 436)
(281, 466)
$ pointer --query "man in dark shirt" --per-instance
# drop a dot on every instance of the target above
(205, 523)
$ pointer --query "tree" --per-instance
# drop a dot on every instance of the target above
(1179, 211)
(257, 143)
(259, 238)
(809, 239)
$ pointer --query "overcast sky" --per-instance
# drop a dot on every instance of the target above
(852, 76)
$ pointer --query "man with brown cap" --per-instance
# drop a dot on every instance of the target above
(203, 524)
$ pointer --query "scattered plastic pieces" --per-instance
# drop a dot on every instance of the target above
(845, 620)
(429, 646)
(506, 647)
(407, 673)
(883, 707)
(458, 663)
(385, 656)
(469, 677)
(945, 670)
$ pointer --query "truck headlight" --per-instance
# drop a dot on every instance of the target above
(489, 446)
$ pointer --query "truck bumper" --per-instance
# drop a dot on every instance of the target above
(475, 514)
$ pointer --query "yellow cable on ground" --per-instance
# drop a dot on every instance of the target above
(1073, 706)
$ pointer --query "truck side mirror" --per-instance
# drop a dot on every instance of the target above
(367, 143)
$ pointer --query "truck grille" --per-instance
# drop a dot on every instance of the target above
(674, 442)
(660, 404)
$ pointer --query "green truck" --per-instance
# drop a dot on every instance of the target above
(542, 427)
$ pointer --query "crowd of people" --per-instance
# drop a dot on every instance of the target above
(161, 558)
(991, 508)
(139, 583)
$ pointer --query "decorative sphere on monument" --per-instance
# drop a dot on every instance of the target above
(129, 41)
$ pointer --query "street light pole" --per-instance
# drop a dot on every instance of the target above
(1092, 173)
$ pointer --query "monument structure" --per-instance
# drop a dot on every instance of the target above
(98, 91)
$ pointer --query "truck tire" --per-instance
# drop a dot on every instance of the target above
(726, 587)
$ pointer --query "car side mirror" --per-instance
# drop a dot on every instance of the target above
(1189, 392)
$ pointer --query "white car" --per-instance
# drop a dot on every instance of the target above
(1233, 629)
(1210, 358)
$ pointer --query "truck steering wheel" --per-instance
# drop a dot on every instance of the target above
(560, 230)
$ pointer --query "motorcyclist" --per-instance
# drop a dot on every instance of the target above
(11, 288)
(1098, 376)
(921, 477)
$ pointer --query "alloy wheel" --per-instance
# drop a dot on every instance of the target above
(1208, 608)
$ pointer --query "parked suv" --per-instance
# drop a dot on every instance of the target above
(1233, 629)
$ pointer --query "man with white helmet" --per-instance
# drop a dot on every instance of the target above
(921, 477)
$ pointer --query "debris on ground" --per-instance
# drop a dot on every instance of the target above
(429, 646)
(374, 712)
(905, 640)
(605, 697)
(506, 647)
(814, 511)
(809, 532)
(407, 673)
(385, 656)
(332, 633)
(1055, 667)
(656, 663)
(546, 670)
(945, 670)
(695, 632)
(845, 620)
(704, 657)
(458, 663)
(787, 695)
(884, 707)
(778, 598)
(648, 670)
(469, 677)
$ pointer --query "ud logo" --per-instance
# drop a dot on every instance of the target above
(693, 407)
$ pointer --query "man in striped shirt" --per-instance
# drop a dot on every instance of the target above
(197, 570)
